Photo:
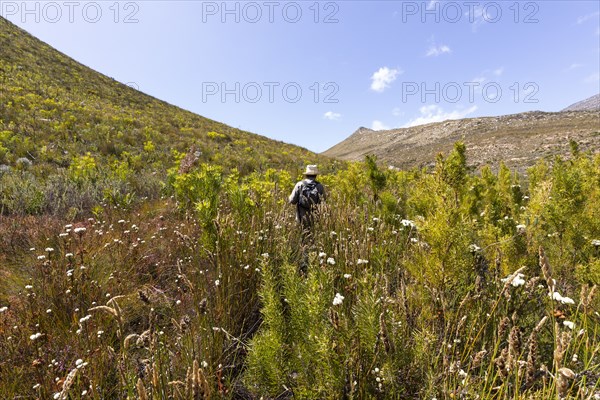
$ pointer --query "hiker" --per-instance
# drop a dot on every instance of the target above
(306, 195)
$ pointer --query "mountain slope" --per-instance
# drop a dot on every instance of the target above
(517, 139)
(54, 109)
(589, 104)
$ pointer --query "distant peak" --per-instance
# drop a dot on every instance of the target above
(589, 104)
(362, 130)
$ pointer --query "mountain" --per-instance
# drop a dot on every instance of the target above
(589, 104)
(54, 109)
(517, 139)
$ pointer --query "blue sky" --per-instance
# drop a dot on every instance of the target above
(311, 73)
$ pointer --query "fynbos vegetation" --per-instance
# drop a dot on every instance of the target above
(439, 284)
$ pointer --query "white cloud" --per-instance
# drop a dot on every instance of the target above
(379, 126)
(593, 78)
(478, 15)
(438, 50)
(574, 66)
(586, 17)
(498, 71)
(435, 49)
(434, 113)
(332, 116)
(382, 79)
(397, 112)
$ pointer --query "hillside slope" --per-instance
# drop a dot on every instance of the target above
(589, 104)
(517, 139)
(54, 108)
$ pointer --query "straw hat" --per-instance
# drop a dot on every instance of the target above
(311, 170)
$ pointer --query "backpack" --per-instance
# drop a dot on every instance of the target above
(309, 195)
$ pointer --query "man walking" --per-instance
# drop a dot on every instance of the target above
(306, 195)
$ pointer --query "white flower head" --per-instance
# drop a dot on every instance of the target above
(564, 300)
(338, 299)
(408, 223)
(331, 261)
(569, 324)
(516, 281)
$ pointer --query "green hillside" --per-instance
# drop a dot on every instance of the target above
(57, 114)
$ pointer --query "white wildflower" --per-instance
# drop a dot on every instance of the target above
(81, 229)
(338, 299)
(596, 242)
(84, 319)
(569, 324)
(49, 250)
(217, 282)
(517, 280)
(564, 300)
(322, 255)
(361, 261)
(35, 336)
(408, 223)
(347, 276)
(3, 309)
(41, 257)
(330, 261)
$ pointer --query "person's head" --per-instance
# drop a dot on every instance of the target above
(311, 171)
